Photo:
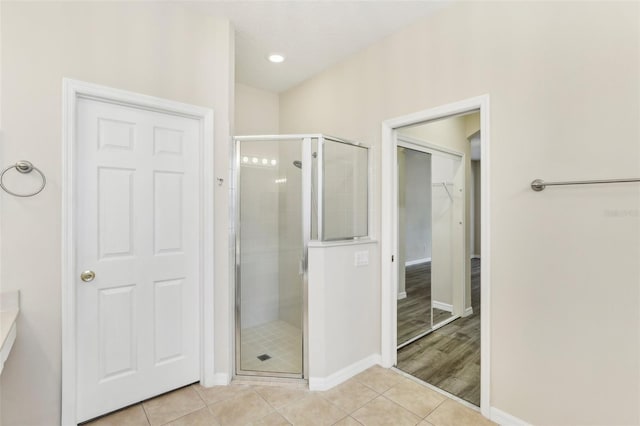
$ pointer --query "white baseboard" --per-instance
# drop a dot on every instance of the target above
(326, 383)
(468, 311)
(475, 256)
(221, 379)
(417, 261)
(442, 306)
(402, 295)
(506, 419)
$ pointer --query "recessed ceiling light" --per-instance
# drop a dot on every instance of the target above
(276, 58)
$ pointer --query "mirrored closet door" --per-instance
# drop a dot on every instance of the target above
(429, 220)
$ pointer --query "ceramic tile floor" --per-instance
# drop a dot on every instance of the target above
(278, 339)
(377, 396)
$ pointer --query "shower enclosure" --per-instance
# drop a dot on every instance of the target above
(280, 205)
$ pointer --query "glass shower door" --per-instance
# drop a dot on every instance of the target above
(269, 258)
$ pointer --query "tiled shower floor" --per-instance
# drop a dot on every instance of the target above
(281, 341)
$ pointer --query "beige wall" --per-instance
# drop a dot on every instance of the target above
(564, 87)
(151, 48)
(472, 123)
(257, 111)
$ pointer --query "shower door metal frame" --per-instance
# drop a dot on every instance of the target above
(307, 204)
(320, 192)
(305, 139)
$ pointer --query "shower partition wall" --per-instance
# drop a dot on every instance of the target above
(278, 210)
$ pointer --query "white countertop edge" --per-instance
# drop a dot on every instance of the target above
(9, 310)
(8, 344)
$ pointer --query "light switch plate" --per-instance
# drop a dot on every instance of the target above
(361, 258)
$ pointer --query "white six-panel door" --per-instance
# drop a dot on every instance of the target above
(137, 223)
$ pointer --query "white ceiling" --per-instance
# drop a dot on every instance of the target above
(313, 35)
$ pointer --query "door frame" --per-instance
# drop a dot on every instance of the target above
(388, 244)
(459, 296)
(72, 90)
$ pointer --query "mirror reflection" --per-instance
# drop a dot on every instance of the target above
(427, 224)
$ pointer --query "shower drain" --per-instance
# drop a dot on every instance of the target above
(263, 357)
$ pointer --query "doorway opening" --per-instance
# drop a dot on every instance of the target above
(437, 228)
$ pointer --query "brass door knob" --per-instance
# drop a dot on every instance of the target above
(87, 276)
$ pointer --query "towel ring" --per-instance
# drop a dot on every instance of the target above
(23, 167)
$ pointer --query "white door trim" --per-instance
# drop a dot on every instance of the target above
(72, 90)
(428, 147)
(388, 242)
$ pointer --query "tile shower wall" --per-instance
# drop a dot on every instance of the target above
(259, 233)
(290, 234)
(345, 191)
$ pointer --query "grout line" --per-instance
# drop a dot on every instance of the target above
(404, 408)
(194, 387)
(331, 403)
(352, 418)
(319, 395)
(273, 409)
(263, 398)
(434, 408)
(410, 410)
(369, 387)
(366, 385)
(368, 401)
(190, 412)
(170, 421)
(437, 389)
(144, 410)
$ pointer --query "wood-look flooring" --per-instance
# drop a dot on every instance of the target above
(414, 311)
(449, 357)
